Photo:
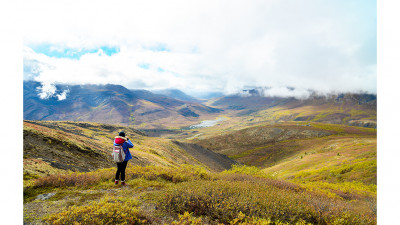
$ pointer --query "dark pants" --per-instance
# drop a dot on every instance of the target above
(121, 170)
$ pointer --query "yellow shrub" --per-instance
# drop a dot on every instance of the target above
(241, 200)
(107, 211)
(243, 169)
(188, 219)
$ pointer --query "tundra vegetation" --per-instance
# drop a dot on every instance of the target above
(286, 173)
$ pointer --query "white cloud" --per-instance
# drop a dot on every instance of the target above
(63, 95)
(210, 45)
(47, 90)
(286, 92)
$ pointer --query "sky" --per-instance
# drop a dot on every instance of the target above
(203, 46)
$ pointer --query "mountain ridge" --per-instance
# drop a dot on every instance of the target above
(113, 104)
(178, 94)
(144, 109)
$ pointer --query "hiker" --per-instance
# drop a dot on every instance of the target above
(126, 144)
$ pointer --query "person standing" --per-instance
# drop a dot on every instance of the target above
(126, 144)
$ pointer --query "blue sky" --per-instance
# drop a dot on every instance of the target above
(71, 53)
(204, 46)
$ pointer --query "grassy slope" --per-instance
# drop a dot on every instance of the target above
(245, 141)
(336, 154)
(52, 147)
(332, 158)
(330, 173)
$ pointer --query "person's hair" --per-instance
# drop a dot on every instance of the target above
(122, 134)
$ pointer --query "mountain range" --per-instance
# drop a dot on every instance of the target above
(173, 109)
(113, 104)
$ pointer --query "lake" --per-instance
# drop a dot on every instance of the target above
(207, 123)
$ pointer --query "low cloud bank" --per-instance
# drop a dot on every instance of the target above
(203, 47)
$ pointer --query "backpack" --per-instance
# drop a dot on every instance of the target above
(118, 154)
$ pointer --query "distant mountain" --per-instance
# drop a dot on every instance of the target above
(177, 94)
(346, 108)
(113, 104)
(253, 98)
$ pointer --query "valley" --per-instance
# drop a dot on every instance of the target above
(229, 160)
(333, 167)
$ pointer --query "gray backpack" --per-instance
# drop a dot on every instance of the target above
(118, 154)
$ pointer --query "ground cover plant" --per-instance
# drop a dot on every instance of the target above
(187, 195)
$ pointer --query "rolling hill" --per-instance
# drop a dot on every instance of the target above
(294, 150)
(61, 146)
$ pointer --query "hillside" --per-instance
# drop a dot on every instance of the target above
(294, 173)
(302, 152)
(52, 147)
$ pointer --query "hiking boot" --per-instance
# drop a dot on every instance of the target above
(123, 183)
(116, 182)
